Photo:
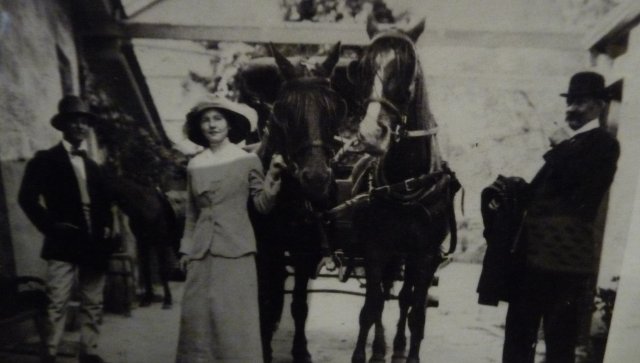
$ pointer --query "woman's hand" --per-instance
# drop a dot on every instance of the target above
(276, 166)
(184, 262)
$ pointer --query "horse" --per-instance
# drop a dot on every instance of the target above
(156, 228)
(303, 121)
(406, 187)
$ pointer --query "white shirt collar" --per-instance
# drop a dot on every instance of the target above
(593, 124)
(67, 146)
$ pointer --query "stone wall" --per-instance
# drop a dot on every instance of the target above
(34, 35)
(495, 110)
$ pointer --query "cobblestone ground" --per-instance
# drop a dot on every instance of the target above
(458, 331)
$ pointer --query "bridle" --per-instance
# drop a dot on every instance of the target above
(399, 129)
(291, 150)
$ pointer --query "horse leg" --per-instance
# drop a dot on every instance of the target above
(271, 280)
(400, 339)
(144, 258)
(379, 347)
(299, 311)
(371, 311)
(425, 270)
(164, 266)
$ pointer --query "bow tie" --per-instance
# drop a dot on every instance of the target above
(78, 152)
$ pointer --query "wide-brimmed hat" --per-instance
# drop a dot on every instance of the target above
(240, 117)
(587, 84)
(71, 106)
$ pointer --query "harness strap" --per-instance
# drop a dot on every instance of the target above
(406, 186)
(408, 134)
(453, 226)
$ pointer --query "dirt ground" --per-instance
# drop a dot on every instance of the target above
(458, 331)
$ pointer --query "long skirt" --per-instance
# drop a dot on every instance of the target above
(220, 317)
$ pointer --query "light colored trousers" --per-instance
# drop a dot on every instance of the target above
(61, 277)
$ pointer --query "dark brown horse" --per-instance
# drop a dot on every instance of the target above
(156, 228)
(304, 119)
(409, 189)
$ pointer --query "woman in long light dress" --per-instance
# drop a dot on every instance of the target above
(220, 319)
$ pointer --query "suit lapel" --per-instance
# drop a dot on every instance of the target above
(63, 167)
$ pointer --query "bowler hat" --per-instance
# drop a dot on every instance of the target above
(71, 106)
(587, 84)
(240, 118)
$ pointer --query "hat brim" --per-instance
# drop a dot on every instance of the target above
(241, 118)
(60, 119)
(604, 95)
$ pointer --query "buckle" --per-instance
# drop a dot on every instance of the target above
(408, 184)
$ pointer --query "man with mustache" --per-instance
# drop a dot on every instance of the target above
(556, 243)
(64, 194)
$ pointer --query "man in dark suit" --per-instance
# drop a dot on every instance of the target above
(64, 195)
(556, 242)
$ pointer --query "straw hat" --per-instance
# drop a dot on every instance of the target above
(240, 117)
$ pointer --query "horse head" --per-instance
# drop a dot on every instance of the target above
(388, 77)
(305, 118)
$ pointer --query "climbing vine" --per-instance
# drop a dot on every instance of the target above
(130, 148)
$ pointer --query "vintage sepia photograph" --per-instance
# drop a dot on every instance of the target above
(319, 181)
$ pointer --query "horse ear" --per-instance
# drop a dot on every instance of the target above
(331, 61)
(286, 68)
(372, 26)
(417, 30)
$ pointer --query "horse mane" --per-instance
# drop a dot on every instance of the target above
(404, 66)
(425, 120)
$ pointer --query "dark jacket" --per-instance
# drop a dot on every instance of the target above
(502, 206)
(50, 194)
(566, 195)
(575, 177)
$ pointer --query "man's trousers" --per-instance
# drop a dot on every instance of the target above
(556, 300)
(61, 277)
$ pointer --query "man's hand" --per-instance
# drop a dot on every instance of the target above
(558, 136)
(184, 263)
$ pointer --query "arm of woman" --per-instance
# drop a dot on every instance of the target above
(264, 189)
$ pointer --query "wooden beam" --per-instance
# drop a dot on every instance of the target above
(348, 34)
(286, 33)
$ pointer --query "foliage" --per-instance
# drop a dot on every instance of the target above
(131, 150)
(338, 11)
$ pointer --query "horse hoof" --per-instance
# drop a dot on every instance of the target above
(398, 357)
(144, 303)
(358, 358)
(377, 359)
(167, 305)
(302, 359)
(413, 360)
(301, 356)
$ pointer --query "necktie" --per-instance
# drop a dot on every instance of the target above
(79, 152)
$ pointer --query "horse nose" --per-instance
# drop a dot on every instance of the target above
(316, 178)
